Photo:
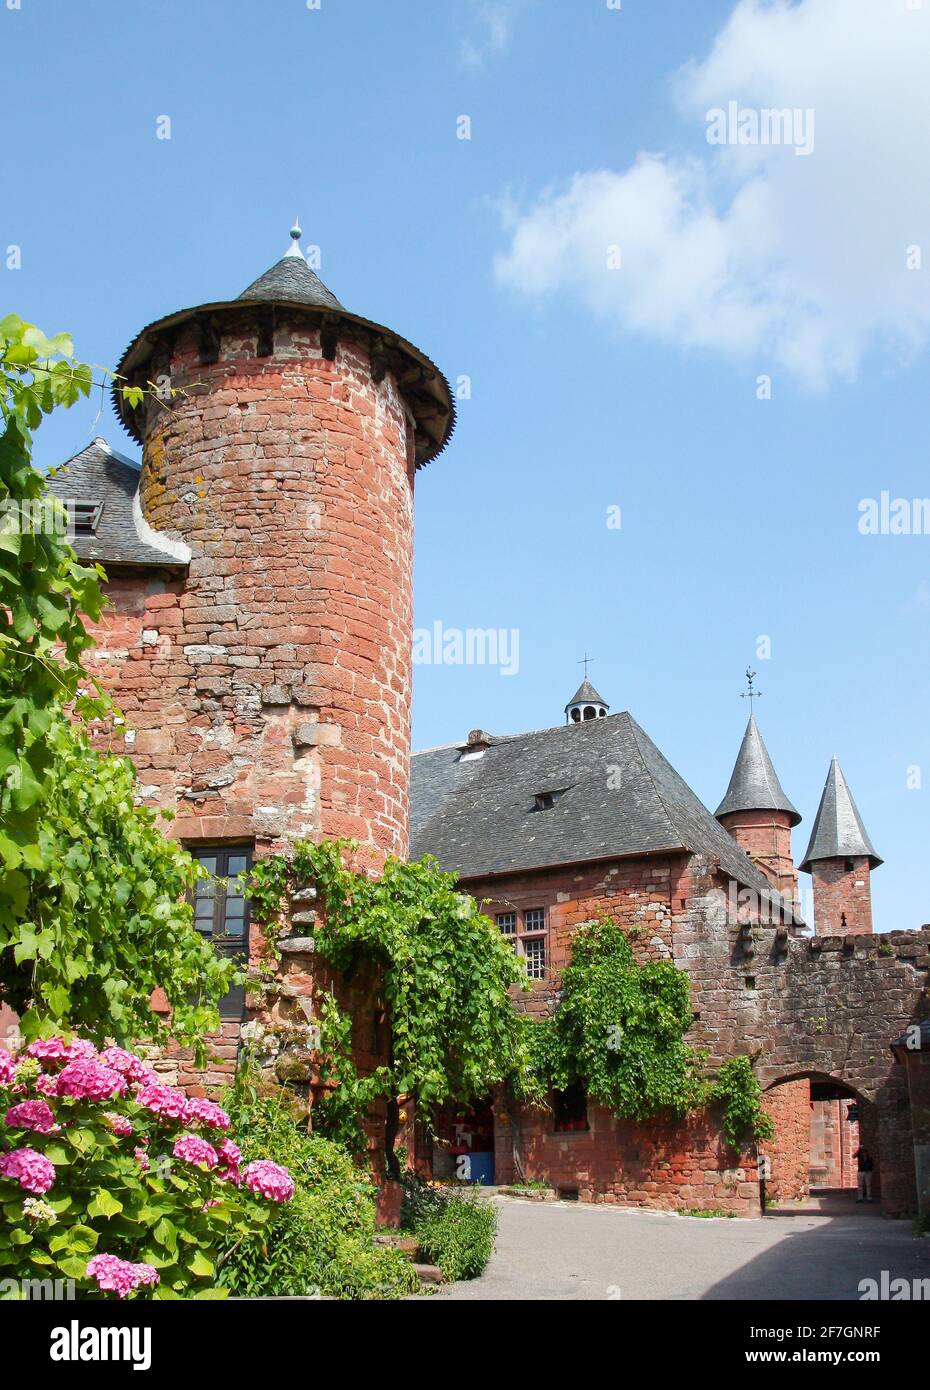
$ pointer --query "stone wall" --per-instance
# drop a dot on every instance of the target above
(790, 1152)
(674, 1166)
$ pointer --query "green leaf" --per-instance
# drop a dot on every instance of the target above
(103, 1204)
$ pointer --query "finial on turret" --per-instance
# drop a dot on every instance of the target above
(296, 234)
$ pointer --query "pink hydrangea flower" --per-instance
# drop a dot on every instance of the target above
(31, 1114)
(206, 1113)
(120, 1276)
(164, 1101)
(142, 1158)
(7, 1068)
(46, 1085)
(129, 1065)
(269, 1180)
(57, 1050)
(119, 1124)
(30, 1169)
(195, 1150)
(230, 1154)
(86, 1079)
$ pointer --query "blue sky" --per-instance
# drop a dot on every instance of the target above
(634, 388)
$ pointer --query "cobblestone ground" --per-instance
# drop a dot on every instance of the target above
(563, 1250)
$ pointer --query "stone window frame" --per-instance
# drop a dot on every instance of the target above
(232, 946)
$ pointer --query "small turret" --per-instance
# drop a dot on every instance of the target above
(758, 814)
(840, 859)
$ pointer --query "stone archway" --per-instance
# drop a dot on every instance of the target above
(820, 1121)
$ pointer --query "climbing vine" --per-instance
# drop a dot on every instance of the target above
(443, 973)
(619, 1030)
(738, 1090)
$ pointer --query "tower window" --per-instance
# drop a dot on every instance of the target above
(590, 712)
(221, 911)
(507, 924)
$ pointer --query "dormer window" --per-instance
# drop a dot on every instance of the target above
(546, 800)
(84, 517)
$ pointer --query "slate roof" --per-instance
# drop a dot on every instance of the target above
(621, 797)
(754, 785)
(838, 831)
(291, 279)
(586, 695)
(99, 474)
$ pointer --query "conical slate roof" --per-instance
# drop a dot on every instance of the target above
(586, 695)
(754, 784)
(291, 279)
(290, 282)
(838, 831)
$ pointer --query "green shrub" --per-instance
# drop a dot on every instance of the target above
(322, 1243)
(456, 1231)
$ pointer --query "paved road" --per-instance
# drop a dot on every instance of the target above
(563, 1250)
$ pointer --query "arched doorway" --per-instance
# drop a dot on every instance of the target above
(820, 1124)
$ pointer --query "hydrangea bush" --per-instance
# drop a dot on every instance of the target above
(117, 1182)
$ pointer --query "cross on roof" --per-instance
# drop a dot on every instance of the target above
(585, 662)
(750, 694)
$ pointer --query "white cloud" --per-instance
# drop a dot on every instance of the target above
(492, 28)
(785, 261)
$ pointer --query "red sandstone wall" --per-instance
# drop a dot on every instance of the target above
(790, 1151)
(677, 1166)
(839, 893)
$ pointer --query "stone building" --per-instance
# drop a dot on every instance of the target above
(258, 641)
(562, 826)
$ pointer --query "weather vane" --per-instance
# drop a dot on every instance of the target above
(585, 662)
(751, 694)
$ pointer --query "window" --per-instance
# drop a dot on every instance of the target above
(534, 954)
(533, 942)
(222, 913)
(570, 1109)
(84, 516)
(507, 923)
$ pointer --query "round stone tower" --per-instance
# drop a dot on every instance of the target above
(281, 435)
